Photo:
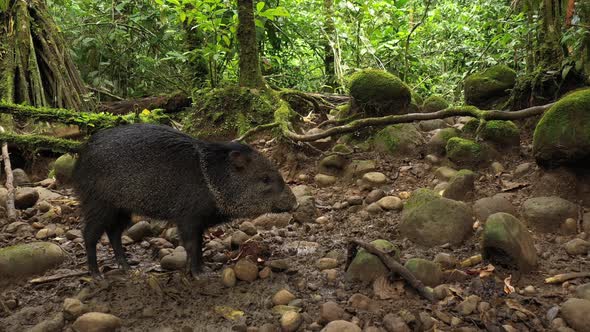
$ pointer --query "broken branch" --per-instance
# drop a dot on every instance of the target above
(397, 268)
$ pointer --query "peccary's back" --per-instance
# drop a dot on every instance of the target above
(147, 169)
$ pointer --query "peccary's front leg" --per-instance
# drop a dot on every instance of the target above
(191, 233)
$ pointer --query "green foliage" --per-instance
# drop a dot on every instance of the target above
(129, 47)
(139, 47)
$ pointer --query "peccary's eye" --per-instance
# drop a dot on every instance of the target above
(266, 179)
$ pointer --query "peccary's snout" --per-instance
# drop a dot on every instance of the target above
(286, 201)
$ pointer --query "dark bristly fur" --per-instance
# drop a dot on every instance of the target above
(156, 171)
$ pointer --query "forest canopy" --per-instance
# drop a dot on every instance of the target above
(141, 47)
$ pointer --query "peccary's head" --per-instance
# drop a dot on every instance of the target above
(243, 182)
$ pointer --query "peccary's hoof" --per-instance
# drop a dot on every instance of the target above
(96, 275)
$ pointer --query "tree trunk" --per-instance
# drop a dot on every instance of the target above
(197, 63)
(550, 50)
(36, 68)
(329, 31)
(249, 63)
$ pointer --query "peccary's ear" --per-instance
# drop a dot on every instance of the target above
(239, 159)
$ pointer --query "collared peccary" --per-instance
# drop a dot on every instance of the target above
(159, 172)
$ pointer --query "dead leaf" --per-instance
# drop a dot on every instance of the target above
(154, 284)
(508, 288)
(476, 224)
(385, 289)
(229, 313)
(483, 272)
(404, 195)
(513, 304)
(509, 185)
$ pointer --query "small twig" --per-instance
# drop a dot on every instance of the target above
(10, 209)
(56, 277)
(397, 268)
(566, 276)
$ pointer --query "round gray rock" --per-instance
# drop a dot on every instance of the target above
(547, 214)
(25, 198)
(341, 326)
(484, 207)
(576, 313)
(431, 220)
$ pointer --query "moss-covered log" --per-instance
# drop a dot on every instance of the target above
(39, 142)
(85, 120)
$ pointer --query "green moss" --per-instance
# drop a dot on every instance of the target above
(379, 93)
(489, 84)
(447, 133)
(363, 256)
(420, 197)
(563, 133)
(341, 111)
(342, 148)
(434, 103)
(464, 151)
(39, 142)
(63, 168)
(471, 126)
(229, 112)
(502, 133)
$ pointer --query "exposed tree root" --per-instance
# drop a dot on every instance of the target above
(37, 68)
(10, 209)
(405, 118)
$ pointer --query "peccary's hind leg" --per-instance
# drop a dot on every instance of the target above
(191, 234)
(114, 232)
(96, 216)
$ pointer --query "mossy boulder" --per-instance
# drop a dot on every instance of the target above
(424, 270)
(470, 127)
(507, 241)
(500, 133)
(465, 152)
(27, 259)
(438, 142)
(378, 93)
(399, 139)
(431, 220)
(226, 113)
(489, 87)
(434, 103)
(562, 136)
(367, 267)
(461, 187)
(63, 168)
